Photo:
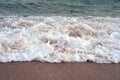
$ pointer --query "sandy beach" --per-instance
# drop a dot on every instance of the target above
(59, 71)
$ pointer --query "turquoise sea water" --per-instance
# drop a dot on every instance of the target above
(61, 7)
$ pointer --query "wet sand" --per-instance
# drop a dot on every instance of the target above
(59, 71)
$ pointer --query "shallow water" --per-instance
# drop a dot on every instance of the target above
(61, 7)
(60, 30)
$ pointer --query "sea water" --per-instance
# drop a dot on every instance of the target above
(60, 30)
(61, 7)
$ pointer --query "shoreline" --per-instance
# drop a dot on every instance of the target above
(59, 71)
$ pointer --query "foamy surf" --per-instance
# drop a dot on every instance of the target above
(60, 39)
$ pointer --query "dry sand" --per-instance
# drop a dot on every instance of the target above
(61, 71)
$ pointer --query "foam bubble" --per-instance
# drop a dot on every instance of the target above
(60, 39)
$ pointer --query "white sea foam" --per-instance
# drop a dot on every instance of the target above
(60, 39)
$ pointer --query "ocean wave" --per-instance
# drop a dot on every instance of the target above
(60, 39)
